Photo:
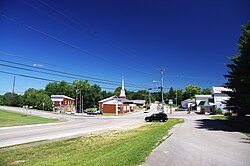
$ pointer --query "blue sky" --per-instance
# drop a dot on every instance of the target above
(108, 39)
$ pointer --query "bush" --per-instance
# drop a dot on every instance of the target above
(228, 113)
(218, 111)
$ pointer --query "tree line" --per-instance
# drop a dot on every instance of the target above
(90, 95)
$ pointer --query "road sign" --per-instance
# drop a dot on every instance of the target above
(170, 102)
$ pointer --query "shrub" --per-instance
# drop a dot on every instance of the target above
(228, 113)
(218, 111)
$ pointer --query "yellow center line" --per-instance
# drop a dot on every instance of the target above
(67, 126)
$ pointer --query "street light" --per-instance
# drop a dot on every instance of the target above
(149, 95)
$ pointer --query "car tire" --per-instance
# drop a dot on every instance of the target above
(161, 120)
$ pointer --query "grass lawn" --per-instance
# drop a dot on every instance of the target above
(241, 124)
(8, 118)
(129, 147)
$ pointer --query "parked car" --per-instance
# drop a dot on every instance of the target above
(93, 112)
(162, 117)
(181, 109)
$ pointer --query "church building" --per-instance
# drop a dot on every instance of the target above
(117, 105)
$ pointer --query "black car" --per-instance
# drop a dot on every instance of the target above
(162, 117)
(92, 112)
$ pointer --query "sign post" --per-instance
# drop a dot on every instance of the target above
(170, 103)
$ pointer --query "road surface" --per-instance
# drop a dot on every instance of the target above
(200, 141)
(75, 125)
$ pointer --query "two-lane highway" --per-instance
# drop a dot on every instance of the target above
(75, 125)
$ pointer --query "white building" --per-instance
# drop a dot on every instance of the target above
(220, 98)
(202, 98)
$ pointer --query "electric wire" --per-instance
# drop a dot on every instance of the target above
(60, 75)
(83, 51)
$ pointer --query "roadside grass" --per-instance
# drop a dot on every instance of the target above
(123, 147)
(8, 118)
(241, 124)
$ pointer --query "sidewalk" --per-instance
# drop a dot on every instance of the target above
(201, 141)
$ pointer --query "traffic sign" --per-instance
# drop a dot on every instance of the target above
(170, 102)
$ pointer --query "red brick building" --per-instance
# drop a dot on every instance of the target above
(63, 103)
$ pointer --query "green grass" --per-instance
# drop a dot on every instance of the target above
(129, 147)
(8, 118)
(241, 124)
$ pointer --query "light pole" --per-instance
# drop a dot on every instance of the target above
(176, 98)
(149, 95)
(161, 87)
(162, 99)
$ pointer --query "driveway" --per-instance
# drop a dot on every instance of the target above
(201, 141)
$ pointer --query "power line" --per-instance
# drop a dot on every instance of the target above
(72, 74)
(60, 75)
(83, 51)
(83, 26)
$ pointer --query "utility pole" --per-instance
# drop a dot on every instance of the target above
(14, 82)
(176, 98)
(82, 104)
(80, 100)
(149, 95)
(76, 98)
(162, 99)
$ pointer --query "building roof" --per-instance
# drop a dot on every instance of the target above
(107, 99)
(138, 101)
(121, 100)
(200, 97)
(220, 89)
(220, 95)
(206, 103)
(61, 97)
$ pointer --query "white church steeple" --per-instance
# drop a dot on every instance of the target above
(122, 95)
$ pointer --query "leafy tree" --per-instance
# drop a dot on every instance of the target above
(171, 93)
(180, 96)
(117, 91)
(141, 94)
(29, 97)
(191, 91)
(59, 88)
(105, 94)
(37, 99)
(239, 74)
(206, 91)
(43, 102)
(12, 99)
(1, 100)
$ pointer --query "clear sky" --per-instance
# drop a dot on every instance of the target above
(108, 39)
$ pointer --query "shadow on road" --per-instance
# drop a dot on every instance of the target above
(231, 125)
(210, 124)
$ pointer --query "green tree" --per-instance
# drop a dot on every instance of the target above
(180, 96)
(37, 99)
(43, 102)
(171, 93)
(29, 97)
(12, 99)
(141, 94)
(1, 100)
(206, 91)
(191, 91)
(239, 74)
(59, 88)
(117, 91)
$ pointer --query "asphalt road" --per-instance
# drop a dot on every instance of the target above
(200, 141)
(75, 125)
